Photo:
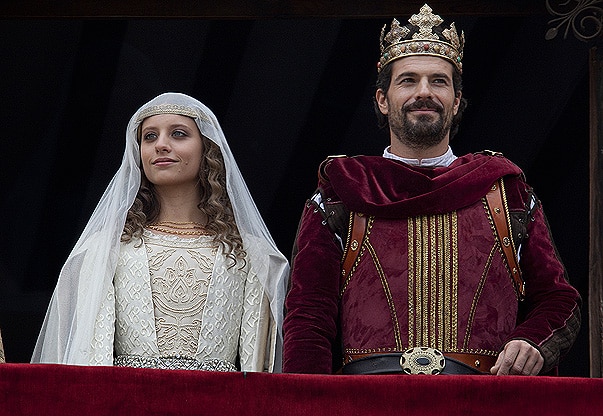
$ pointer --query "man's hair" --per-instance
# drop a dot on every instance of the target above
(384, 80)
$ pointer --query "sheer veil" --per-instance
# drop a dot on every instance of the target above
(68, 327)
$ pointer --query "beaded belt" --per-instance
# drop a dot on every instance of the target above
(173, 363)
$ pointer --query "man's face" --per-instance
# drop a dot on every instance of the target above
(420, 102)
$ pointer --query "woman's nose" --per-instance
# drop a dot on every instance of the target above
(162, 144)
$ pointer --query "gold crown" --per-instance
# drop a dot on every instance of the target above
(423, 36)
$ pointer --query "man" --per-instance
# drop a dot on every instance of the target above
(420, 262)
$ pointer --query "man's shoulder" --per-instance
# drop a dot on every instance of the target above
(323, 165)
(487, 154)
(346, 161)
(493, 158)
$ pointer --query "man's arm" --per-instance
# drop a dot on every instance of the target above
(312, 304)
(551, 311)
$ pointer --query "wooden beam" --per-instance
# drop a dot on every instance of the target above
(595, 306)
(259, 9)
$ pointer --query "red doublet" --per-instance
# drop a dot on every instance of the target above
(431, 271)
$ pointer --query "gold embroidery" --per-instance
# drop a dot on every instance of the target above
(441, 265)
(433, 281)
(424, 310)
(411, 280)
(389, 349)
(388, 294)
(445, 295)
(507, 216)
(454, 280)
(369, 225)
(373, 350)
(477, 295)
(431, 285)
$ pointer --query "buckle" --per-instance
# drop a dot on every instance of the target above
(422, 360)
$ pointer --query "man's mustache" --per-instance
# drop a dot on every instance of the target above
(422, 104)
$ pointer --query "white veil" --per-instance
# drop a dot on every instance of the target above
(68, 327)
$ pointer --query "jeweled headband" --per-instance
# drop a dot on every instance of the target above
(422, 36)
(170, 109)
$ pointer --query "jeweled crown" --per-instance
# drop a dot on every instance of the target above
(422, 36)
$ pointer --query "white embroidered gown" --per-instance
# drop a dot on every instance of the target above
(177, 297)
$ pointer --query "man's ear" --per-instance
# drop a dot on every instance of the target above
(381, 100)
(457, 102)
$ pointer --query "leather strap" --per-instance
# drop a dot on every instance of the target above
(356, 237)
(501, 219)
(389, 363)
(480, 362)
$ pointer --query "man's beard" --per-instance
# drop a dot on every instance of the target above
(425, 131)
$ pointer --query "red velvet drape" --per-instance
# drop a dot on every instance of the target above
(27, 389)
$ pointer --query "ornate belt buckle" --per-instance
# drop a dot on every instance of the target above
(422, 360)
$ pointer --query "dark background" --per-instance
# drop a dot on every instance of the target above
(288, 92)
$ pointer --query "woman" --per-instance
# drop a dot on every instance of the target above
(176, 268)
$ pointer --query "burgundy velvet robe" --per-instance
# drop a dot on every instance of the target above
(431, 272)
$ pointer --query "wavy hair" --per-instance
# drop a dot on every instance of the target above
(215, 203)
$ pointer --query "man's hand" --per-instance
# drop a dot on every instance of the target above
(518, 358)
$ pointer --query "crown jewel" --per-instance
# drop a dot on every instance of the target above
(423, 36)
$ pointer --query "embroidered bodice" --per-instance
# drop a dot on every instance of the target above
(180, 271)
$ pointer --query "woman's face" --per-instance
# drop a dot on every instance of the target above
(171, 150)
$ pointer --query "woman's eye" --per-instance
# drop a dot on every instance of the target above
(179, 133)
(150, 136)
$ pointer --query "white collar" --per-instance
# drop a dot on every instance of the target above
(433, 162)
